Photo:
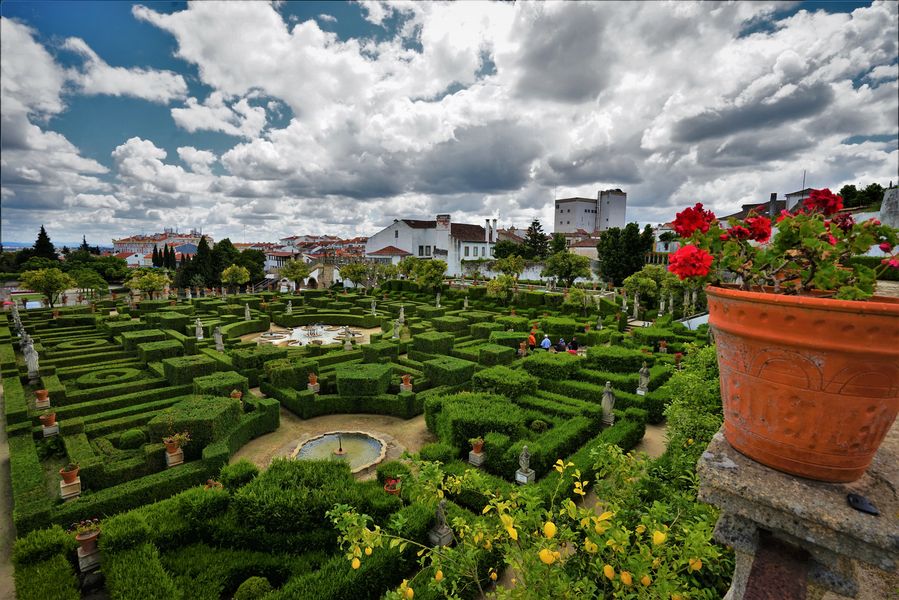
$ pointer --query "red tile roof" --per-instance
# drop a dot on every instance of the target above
(390, 251)
(585, 243)
(124, 254)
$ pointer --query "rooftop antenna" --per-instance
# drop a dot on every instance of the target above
(803, 180)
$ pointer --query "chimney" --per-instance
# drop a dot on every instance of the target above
(487, 230)
(443, 222)
(772, 203)
(495, 236)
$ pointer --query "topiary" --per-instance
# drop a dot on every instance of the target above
(437, 452)
(236, 475)
(133, 438)
(253, 588)
(539, 426)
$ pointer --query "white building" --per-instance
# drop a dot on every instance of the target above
(135, 259)
(186, 243)
(591, 215)
(441, 239)
(794, 198)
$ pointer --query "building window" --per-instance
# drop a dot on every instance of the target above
(476, 251)
(396, 234)
(466, 250)
(421, 250)
(427, 251)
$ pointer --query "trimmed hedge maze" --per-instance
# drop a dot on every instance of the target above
(119, 382)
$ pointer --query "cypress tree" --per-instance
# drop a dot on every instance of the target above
(202, 262)
(43, 247)
(84, 245)
(155, 257)
(173, 260)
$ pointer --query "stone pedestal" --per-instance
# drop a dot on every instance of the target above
(313, 387)
(68, 491)
(524, 477)
(641, 392)
(476, 458)
(173, 459)
(798, 538)
(405, 387)
(42, 404)
(88, 562)
(51, 431)
(441, 536)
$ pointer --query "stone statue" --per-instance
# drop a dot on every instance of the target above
(608, 404)
(198, 329)
(438, 300)
(217, 336)
(599, 323)
(246, 313)
(643, 385)
(524, 460)
(187, 296)
(402, 318)
(662, 305)
(636, 305)
(396, 329)
(465, 303)
(671, 303)
(31, 360)
(694, 296)
(441, 514)
(441, 534)
(374, 307)
(289, 309)
(624, 302)
(686, 300)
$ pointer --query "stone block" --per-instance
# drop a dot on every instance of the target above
(51, 431)
(441, 537)
(88, 562)
(524, 477)
(405, 387)
(69, 491)
(476, 458)
(314, 388)
(173, 459)
(42, 403)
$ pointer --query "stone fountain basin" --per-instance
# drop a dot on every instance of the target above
(363, 450)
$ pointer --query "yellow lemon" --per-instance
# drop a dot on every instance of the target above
(438, 575)
(641, 528)
(590, 547)
(646, 581)
(695, 564)
(410, 593)
(626, 578)
(547, 557)
(356, 562)
(493, 575)
(549, 529)
(368, 551)
(658, 537)
(608, 571)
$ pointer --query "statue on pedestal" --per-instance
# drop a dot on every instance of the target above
(198, 329)
(608, 404)
(643, 385)
(217, 336)
(246, 312)
(289, 309)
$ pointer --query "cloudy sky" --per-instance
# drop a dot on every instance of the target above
(255, 120)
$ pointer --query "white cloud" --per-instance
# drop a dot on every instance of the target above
(98, 77)
(240, 119)
(327, 18)
(199, 161)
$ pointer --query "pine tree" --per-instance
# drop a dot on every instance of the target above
(202, 262)
(155, 257)
(536, 242)
(43, 247)
(84, 245)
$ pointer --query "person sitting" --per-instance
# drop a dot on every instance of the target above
(561, 346)
(573, 345)
(546, 343)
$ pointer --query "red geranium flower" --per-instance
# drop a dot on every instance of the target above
(690, 261)
(844, 221)
(759, 228)
(784, 214)
(690, 219)
(738, 232)
(886, 246)
(823, 201)
(893, 263)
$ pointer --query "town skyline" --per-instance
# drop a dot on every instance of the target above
(339, 118)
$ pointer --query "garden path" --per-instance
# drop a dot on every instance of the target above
(7, 535)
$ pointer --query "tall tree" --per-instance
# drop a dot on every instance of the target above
(254, 262)
(202, 262)
(357, 273)
(647, 239)
(223, 254)
(566, 267)
(155, 260)
(506, 248)
(512, 266)
(622, 252)
(235, 275)
(49, 282)
(429, 274)
(84, 245)
(294, 270)
(43, 247)
(558, 244)
(536, 242)
(849, 194)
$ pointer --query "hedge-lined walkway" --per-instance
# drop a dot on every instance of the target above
(411, 434)
(7, 588)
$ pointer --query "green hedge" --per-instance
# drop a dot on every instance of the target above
(450, 324)
(137, 574)
(221, 384)
(380, 352)
(256, 357)
(434, 342)
(494, 354)
(547, 365)
(617, 359)
(558, 442)
(458, 418)
(447, 370)
(184, 369)
(504, 381)
(31, 504)
(207, 418)
(369, 379)
(262, 322)
(508, 338)
(156, 351)
(483, 330)
(515, 323)
(16, 406)
(290, 373)
(652, 335)
(51, 579)
(130, 339)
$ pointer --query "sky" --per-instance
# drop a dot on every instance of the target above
(259, 120)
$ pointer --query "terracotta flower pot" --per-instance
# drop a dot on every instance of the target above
(88, 541)
(69, 476)
(237, 394)
(477, 447)
(171, 447)
(48, 420)
(313, 378)
(810, 386)
(407, 379)
(42, 395)
(392, 487)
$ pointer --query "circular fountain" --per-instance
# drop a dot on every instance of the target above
(361, 450)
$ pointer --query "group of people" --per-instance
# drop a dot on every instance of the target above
(560, 346)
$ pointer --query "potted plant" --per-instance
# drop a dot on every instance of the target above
(313, 378)
(69, 472)
(807, 355)
(407, 379)
(48, 418)
(42, 395)
(175, 441)
(236, 394)
(477, 444)
(392, 486)
(86, 533)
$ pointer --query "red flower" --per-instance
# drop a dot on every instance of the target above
(886, 246)
(738, 232)
(784, 214)
(759, 228)
(844, 221)
(823, 201)
(893, 263)
(690, 219)
(690, 261)
(724, 237)
(831, 239)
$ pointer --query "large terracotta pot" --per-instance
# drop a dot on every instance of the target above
(88, 541)
(69, 476)
(810, 386)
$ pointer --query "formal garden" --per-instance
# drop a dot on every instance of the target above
(527, 489)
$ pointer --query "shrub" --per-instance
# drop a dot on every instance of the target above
(253, 589)
(433, 342)
(123, 532)
(437, 452)
(42, 544)
(652, 335)
(483, 330)
(137, 574)
(504, 381)
(393, 469)
(467, 415)
(238, 474)
(130, 339)
(51, 579)
(105, 377)
(198, 504)
(450, 324)
(494, 354)
(156, 351)
(447, 370)
(515, 323)
(133, 438)
(510, 339)
(254, 358)
(547, 365)
(616, 359)
(221, 384)
(184, 369)
(367, 379)
(380, 352)
(206, 418)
